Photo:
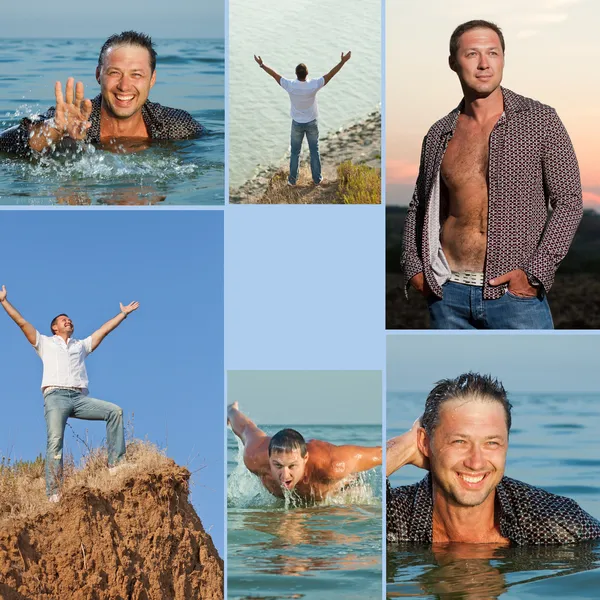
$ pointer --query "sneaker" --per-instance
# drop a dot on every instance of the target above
(54, 498)
(320, 182)
(290, 183)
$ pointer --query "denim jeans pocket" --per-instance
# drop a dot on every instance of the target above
(520, 298)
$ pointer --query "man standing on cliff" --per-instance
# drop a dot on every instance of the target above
(65, 383)
(479, 241)
(304, 113)
(126, 73)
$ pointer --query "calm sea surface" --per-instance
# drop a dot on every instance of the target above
(315, 553)
(314, 32)
(190, 76)
(554, 444)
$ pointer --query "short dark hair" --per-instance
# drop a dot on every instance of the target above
(301, 71)
(129, 38)
(476, 24)
(287, 440)
(55, 319)
(483, 387)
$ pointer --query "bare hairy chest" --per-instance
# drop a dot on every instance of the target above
(467, 155)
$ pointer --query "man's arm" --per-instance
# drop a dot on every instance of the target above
(345, 58)
(101, 333)
(27, 328)
(348, 459)
(255, 440)
(404, 450)
(276, 76)
(563, 184)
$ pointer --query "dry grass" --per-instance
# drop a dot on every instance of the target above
(22, 484)
(358, 184)
(349, 184)
(304, 192)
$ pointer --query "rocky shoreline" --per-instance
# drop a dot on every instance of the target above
(359, 142)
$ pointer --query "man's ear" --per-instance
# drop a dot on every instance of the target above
(452, 62)
(423, 442)
(153, 79)
(306, 458)
(98, 74)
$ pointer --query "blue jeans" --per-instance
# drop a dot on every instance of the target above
(59, 405)
(463, 307)
(311, 130)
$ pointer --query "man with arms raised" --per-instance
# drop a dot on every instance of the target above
(312, 469)
(462, 440)
(479, 241)
(65, 383)
(304, 112)
(121, 113)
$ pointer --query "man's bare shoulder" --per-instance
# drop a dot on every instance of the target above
(256, 456)
(319, 452)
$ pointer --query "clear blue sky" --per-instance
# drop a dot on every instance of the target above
(529, 362)
(63, 18)
(165, 363)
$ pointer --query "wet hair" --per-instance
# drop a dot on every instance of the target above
(287, 440)
(301, 71)
(467, 385)
(56, 319)
(129, 38)
(476, 24)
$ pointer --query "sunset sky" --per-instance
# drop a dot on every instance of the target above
(552, 55)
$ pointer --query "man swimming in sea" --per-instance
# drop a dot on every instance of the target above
(121, 113)
(286, 462)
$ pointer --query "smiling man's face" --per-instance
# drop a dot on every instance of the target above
(287, 468)
(479, 61)
(63, 325)
(467, 451)
(125, 80)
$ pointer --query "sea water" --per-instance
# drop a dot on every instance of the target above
(288, 548)
(314, 32)
(189, 76)
(554, 444)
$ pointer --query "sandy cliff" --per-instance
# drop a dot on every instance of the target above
(132, 536)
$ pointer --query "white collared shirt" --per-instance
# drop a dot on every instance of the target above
(64, 365)
(303, 98)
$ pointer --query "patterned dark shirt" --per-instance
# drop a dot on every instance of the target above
(162, 123)
(532, 166)
(527, 515)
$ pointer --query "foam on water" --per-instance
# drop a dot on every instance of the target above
(244, 490)
(86, 162)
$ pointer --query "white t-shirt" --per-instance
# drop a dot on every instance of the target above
(64, 364)
(303, 98)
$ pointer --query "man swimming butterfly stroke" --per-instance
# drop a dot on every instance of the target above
(286, 462)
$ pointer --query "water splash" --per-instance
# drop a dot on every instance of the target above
(85, 163)
(244, 489)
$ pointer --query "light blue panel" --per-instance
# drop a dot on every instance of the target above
(304, 287)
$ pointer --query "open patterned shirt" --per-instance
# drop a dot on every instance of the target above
(162, 123)
(527, 515)
(532, 166)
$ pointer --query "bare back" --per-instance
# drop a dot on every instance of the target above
(464, 206)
